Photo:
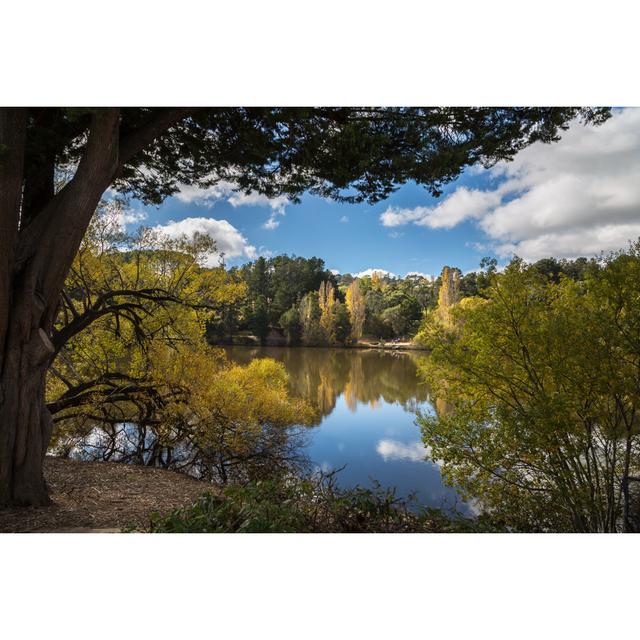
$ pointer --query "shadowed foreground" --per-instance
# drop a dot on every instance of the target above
(102, 495)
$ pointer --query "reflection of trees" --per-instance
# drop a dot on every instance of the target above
(273, 450)
(364, 376)
(355, 382)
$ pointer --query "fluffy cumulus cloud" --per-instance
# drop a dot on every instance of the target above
(230, 243)
(227, 191)
(382, 273)
(575, 197)
(460, 205)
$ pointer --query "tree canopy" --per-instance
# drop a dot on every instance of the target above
(285, 150)
(538, 396)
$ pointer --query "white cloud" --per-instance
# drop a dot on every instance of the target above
(271, 223)
(369, 272)
(335, 272)
(125, 217)
(589, 241)
(418, 274)
(395, 450)
(238, 199)
(575, 197)
(460, 205)
(397, 216)
(225, 190)
(344, 219)
(229, 241)
(207, 197)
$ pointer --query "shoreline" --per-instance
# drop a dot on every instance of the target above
(378, 346)
(399, 346)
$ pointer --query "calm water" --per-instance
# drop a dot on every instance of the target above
(367, 402)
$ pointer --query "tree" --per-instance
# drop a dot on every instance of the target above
(449, 292)
(278, 283)
(341, 323)
(403, 317)
(135, 381)
(356, 306)
(312, 331)
(469, 285)
(327, 304)
(350, 154)
(291, 325)
(542, 387)
(259, 319)
(125, 294)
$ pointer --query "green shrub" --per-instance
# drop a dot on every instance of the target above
(306, 505)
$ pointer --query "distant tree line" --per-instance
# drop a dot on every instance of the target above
(299, 300)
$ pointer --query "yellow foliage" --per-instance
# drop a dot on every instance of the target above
(327, 303)
(356, 305)
(143, 361)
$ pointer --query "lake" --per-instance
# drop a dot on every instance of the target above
(367, 401)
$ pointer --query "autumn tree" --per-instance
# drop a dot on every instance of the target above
(327, 303)
(134, 379)
(124, 294)
(540, 382)
(355, 304)
(312, 331)
(449, 292)
(350, 154)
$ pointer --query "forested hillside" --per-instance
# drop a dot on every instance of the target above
(296, 300)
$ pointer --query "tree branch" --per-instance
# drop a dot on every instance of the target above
(133, 143)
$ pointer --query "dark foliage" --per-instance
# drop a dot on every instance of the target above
(310, 505)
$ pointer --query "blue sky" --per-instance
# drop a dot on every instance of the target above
(576, 197)
(350, 238)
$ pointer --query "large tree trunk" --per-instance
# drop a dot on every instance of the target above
(40, 234)
(26, 422)
(34, 261)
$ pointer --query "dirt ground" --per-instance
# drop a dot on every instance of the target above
(104, 496)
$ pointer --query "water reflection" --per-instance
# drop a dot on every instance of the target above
(368, 377)
(394, 450)
(366, 401)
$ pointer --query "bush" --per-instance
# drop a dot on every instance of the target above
(307, 505)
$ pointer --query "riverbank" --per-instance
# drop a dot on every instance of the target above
(105, 497)
(102, 497)
(271, 341)
(386, 346)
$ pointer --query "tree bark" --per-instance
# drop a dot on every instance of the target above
(40, 234)
(35, 261)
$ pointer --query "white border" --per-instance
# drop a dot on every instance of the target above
(335, 52)
(131, 52)
(312, 586)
